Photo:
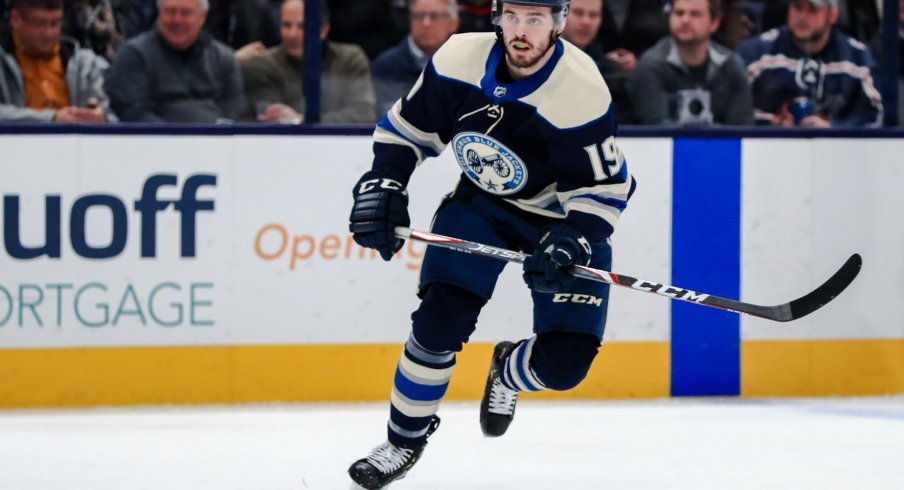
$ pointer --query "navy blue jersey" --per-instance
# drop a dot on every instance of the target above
(545, 144)
(840, 80)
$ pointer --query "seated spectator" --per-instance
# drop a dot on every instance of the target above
(44, 77)
(809, 74)
(687, 78)
(394, 72)
(176, 73)
(581, 28)
(274, 79)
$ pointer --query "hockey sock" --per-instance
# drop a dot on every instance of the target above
(420, 383)
(517, 374)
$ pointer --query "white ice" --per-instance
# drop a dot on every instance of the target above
(835, 443)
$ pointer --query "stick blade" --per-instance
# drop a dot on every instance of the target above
(820, 296)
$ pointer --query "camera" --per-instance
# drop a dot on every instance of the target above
(693, 107)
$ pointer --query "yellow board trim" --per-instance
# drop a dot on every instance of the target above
(822, 367)
(82, 377)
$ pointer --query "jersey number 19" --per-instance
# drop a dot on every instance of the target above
(609, 152)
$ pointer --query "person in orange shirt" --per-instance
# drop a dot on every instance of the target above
(44, 77)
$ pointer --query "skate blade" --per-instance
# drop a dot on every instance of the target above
(355, 486)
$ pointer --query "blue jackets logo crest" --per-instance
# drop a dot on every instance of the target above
(489, 164)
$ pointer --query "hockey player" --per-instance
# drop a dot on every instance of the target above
(529, 119)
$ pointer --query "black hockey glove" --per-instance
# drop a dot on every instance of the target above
(548, 270)
(381, 204)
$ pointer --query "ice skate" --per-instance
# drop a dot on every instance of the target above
(497, 408)
(387, 463)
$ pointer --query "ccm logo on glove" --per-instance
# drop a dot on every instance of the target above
(381, 205)
(388, 184)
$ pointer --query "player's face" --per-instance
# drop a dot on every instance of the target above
(180, 22)
(808, 22)
(691, 22)
(584, 19)
(528, 34)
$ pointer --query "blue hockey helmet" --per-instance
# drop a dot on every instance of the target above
(559, 9)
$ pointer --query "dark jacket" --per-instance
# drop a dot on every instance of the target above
(660, 74)
(394, 73)
(346, 93)
(840, 80)
(151, 82)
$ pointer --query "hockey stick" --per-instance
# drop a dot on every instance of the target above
(785, 312)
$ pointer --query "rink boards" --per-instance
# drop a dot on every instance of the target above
(218, 269)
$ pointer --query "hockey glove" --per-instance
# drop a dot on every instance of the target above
(381, 204)
(548, 270)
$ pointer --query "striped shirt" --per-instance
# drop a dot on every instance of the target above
(840, 80)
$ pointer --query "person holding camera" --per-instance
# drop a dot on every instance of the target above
(687, 78)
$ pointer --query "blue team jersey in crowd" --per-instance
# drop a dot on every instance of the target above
(545, 144)
(840, 80)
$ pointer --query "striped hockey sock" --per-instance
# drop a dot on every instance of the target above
(517, 373)
(421, 380)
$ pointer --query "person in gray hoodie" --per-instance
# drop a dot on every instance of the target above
(45, 77)
(687, 78)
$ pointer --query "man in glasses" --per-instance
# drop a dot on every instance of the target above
(432, 23)
(530, 121)
(44, 78)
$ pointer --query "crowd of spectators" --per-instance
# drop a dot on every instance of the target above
(666, 62)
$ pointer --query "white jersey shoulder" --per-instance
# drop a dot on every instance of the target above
(575, 92)
(463, 57)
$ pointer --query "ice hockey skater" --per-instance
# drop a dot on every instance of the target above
(530, 121)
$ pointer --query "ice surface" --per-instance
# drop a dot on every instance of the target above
(837, 443)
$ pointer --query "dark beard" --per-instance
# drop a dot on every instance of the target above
(807, 43)
(528, 62)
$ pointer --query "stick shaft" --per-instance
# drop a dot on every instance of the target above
(782, 313)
